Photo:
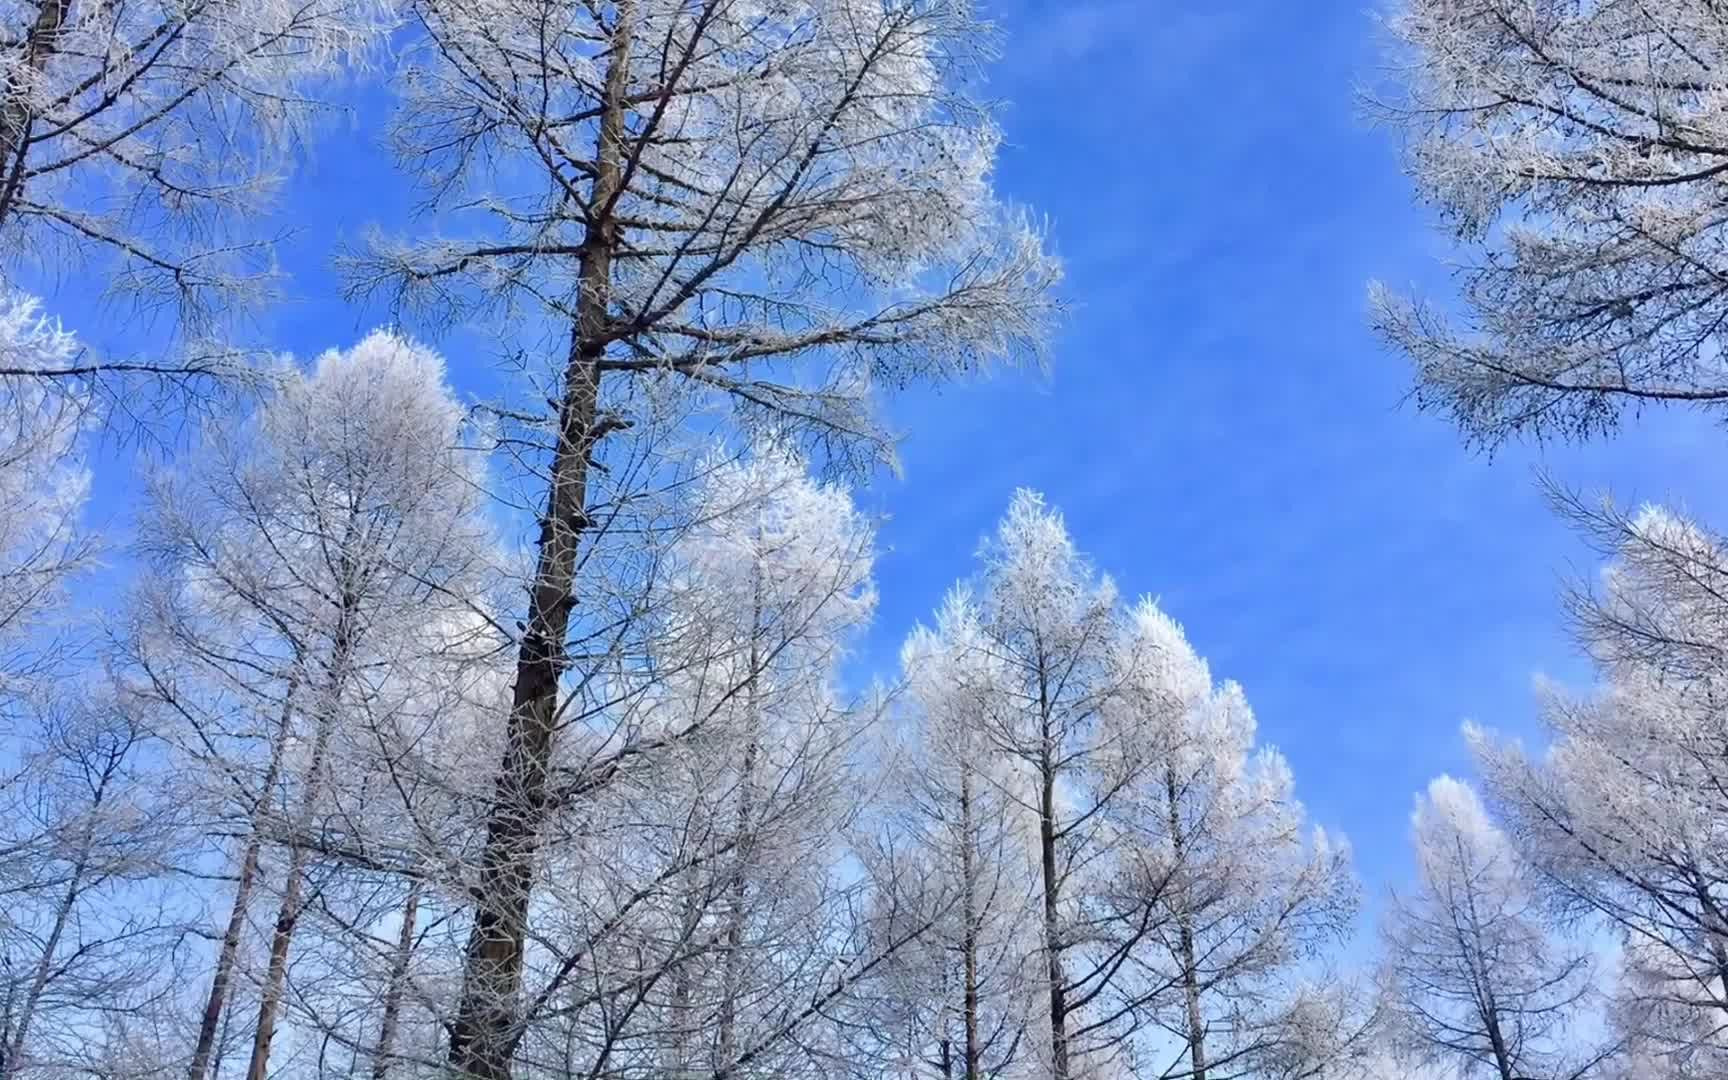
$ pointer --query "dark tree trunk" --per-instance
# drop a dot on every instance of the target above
(733, 969)
(1185, 938)
(344, 640)
(1052, 914)
(483, 1034)
(288, 912)
(969, 912)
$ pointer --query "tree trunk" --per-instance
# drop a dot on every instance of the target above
(1185, 938)
(732, 972)
(677, 1057)
(344, 640)
(1497, 1042)
(16, 118)
(1191, 998)
(225, 956)
(288, 913)
(1052, 929)
(398, 978)
(483, 1033)
(969, 934)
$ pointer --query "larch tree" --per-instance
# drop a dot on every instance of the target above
(141, 133)
(305, 559)
(1477, 981)
(965, 1005)
(1577, 148)
(694, 911)
(1623, 816)
(770, 205)
(695, 914)
(786, 563)
(1051, 626)
(1249, 900)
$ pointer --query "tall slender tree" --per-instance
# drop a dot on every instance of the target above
(967, 995)
(776, 205)
(1051, 625)
(1249, 901)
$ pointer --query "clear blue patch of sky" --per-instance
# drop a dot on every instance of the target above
(1219, 426)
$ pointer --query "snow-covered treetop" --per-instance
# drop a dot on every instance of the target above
(1456, 842)
(1037, 583)
(345, 491)
(772, 540)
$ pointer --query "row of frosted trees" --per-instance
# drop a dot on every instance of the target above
(1055, 850)
(255, 837)
(252, 837)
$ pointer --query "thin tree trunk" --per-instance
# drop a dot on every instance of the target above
(6, 1021)
(398, 978)
(44, 968)
(1488, 1007)
(16, 118)
(288, 914)
(222, 1039)
(969, 934)
(226, 955)
(1185, 938)
(732, 976)
(677, 1059)
(483, 1033)
(1052, 914)
(1497, 1041)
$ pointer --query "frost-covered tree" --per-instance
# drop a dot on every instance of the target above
(1247, 901)
(785, 563)
(964, 1000)
(1477, 980)
(1049, 627)
(138, 132)
(696, 914)
(43, 486)
(1578, 150)
(1092, 818)
(315, 564)
(702, 875)
(1623, 816)
(772, 206)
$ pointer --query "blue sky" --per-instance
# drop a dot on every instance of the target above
(1219, 426)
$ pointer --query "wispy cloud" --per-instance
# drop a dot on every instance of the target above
(1046, 39)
